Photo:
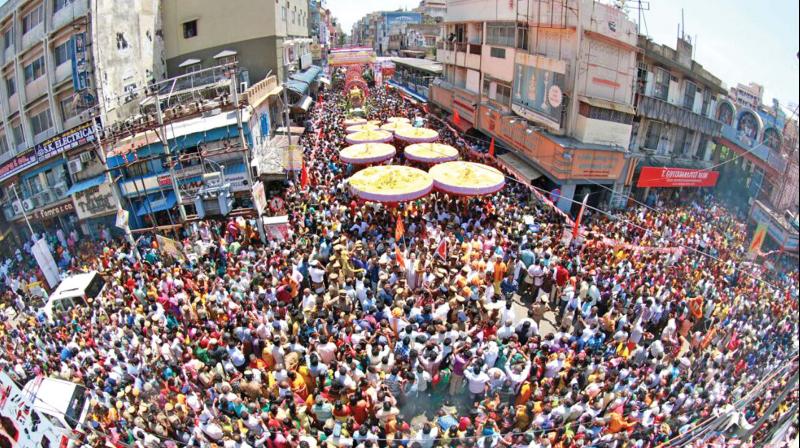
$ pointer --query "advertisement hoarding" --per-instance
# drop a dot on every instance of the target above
(538, 95)
(667, 177)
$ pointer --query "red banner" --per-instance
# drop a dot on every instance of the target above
(676, 177)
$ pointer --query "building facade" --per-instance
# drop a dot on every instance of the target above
(750, 95)
(262, 36)
(552, 82)
(675, 122)
(67, 74)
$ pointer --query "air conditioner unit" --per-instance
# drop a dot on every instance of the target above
(87, 156)
(28, 205)
(17, 206)
(75, 165)
(45, 197)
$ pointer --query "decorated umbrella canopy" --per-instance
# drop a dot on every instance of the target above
(393, 127)
(354, 121)
(398, 120)
(390, 183)
(369, 137)
(361, 127)
(467, 178)
(374, 122)
(417, 135)
(431, 152)
(367, 153)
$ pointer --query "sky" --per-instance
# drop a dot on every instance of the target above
(738, 41)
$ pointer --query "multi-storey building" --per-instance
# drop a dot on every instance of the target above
(65, 63)
(433, 11)
(675, 122)
(750, 95)
(262, 36)
(552, 82)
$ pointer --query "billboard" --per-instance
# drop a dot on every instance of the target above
(538, 95)
(351, 56)
(652, 176)
(401, 18)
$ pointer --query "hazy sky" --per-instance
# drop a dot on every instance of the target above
(737, 40)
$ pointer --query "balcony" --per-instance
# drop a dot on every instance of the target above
(42, 198)
(35, 89)
(33, 36)
(63, 72)
(754, 148)
(657, 109)
(69, 13)
(13, 103)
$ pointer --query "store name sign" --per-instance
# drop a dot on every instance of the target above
(95, 201)
(651, 176)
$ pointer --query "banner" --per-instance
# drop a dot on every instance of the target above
(259, 197)
(758, 238)
(41, 252)
(651, 176)
(171, 248)
(122, 219)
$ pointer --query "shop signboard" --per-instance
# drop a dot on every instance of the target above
(69, 139)
(17, 164)
(259, 197)
(668, 177)
(238, 181)
(95, 201)
(538, 95)
(54, 211)
(787, 239)
(316, 51)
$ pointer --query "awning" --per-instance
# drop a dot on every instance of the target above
(413, 96)
(605, 104)
(297, 86)
(156, 203)
(308, 75)
(519, 167)
(303, 104)
(189, 62)
(225, 54)
(77, 187)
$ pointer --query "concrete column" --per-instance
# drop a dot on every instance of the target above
(565, 200)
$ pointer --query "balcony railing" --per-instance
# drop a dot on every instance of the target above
(657, 109)
(475, 49)
(461, 47)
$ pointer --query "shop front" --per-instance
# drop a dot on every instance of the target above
(782, 235)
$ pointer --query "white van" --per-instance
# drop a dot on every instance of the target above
(73, 291)
(64, 404)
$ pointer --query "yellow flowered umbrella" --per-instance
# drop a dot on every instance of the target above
(390, 183)
(431, 152)
(467, 178)
(367, 153)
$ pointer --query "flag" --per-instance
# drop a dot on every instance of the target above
(491, 148)
(441, 250)
(577, 226)
(456, 118)
(399, 229)
(303, 175)
(398, 255)
(758, 238)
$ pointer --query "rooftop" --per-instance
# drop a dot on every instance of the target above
(422, 64)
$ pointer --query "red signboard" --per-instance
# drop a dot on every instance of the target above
(652, 176)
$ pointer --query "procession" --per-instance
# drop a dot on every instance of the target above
(410, 307)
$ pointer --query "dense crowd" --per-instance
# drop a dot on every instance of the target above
(515, 338)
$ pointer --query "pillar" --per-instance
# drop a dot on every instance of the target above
(565, 200)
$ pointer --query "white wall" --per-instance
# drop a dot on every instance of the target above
(602, 132)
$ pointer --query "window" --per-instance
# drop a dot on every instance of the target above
(19, 137)
(522, 36)
(653, 136)
(33, 18)
(11, 85)
(661, 87)
(293, 16)
(63, 53)
(58, 4)
(34, 70)
(41, 122)
(499, 53)
(706, 102)
(701, 147)
(683, 141)
(688, 95)
(68, 109)
(501, 33)
(8, 38)
(190, 29)
(503, 94)
(3, 145)
(283, 13)
(599, 113)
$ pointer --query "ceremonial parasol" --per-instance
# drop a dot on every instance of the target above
(393, 127)
(466, 178)
(398, 120)
(354, 121)
(367, 153)
(390, 183)
(417, 135)
(361, 127)
(431, 152)
(369, 137)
